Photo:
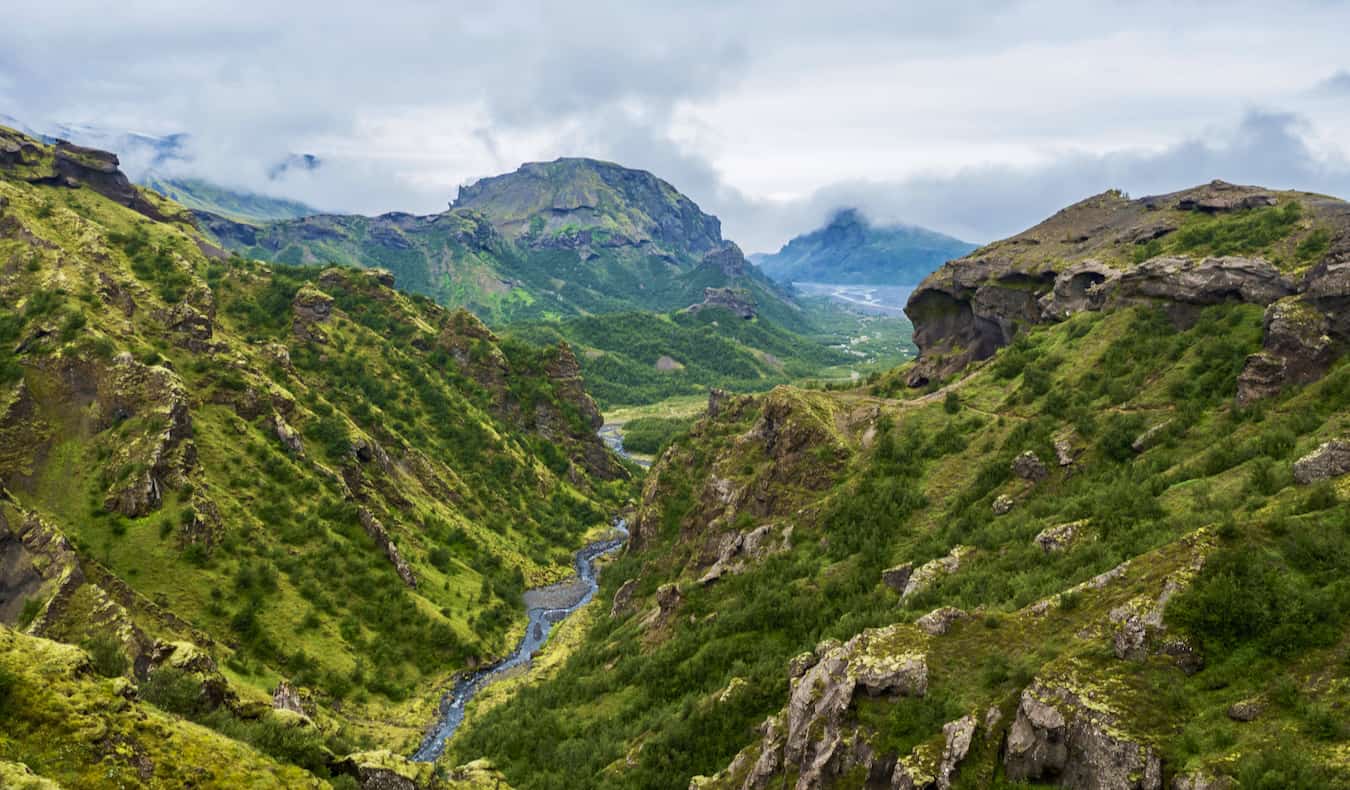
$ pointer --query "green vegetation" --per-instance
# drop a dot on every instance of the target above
(647, 435)
(924, 485)
(347, 497)
(200, 195)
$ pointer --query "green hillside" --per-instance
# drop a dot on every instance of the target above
(241, 206)
(217, 475)
(1108, 553)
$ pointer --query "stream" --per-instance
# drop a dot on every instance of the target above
(546, 607)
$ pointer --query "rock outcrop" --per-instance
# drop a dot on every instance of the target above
(1082, 259)
(811, 735)
(311, 307)
(1029, 467)
(738, 303)
(931, 571)
(1059, 537)
(1059, 737)
(380, 535)
(1330, 459)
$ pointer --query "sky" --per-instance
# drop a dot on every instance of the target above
(971, 117)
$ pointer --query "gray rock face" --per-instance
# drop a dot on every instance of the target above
(1029, 467)
(310, 308)
(1297, 349)
(730, 299)
(896, 578)
(286, 697)
(376, 530)
(736, 549)
(1204, 282)
(623, 598)
(814, 739)
(1058, 738)
(1331, 459)
(1150, 437)
(1066, 451)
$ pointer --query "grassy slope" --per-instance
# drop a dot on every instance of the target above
(639, 709)
(199, 195)
(289, 584)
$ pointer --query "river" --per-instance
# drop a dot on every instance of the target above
(545, 607)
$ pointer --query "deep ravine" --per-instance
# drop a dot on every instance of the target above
(545, 607)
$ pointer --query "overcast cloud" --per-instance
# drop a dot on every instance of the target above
(975, 118)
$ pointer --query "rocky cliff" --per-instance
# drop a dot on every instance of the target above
(1288, 251)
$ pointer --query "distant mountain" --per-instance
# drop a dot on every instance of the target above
(552, 239)
(238, 205)
(850, 250)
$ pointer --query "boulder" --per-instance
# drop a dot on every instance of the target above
(309, 308)
(1029, 467)
(1059, 537)
(1003, 504)
(736, 301)
(939, 621)
(927, 768)
(1066, 451)
(1330, 459)
(1247, 709)
(384, 770)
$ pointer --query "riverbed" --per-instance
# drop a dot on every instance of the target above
(545, 608)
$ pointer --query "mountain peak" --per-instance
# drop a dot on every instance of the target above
(850, 249)
(548, 204)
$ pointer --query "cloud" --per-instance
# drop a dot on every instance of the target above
(973, 116)
(1337, 84)
(984, 203)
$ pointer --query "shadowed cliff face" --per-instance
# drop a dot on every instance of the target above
(1211, 244)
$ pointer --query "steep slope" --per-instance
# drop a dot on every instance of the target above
(1084, 564)
(249, 207)
(563, 238)
(638, 358)
(240, 480)
(1209, 244)
(850, 250)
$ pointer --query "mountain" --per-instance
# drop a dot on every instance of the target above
(563, 238)
(286, 504)
(849, 250)
(239, 206)
(1097, 537)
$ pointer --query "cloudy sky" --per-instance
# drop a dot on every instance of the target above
(972, 117)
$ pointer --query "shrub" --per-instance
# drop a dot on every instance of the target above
(8, 683)
(29, 612)
(107, 656)
(952, 402)
(175, 691)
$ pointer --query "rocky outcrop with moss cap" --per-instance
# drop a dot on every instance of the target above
(1205, 245)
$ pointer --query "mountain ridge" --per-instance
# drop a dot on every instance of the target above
(851, 250)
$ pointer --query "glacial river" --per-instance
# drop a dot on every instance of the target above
(545, 607)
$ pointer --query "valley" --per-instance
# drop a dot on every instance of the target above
(557, 489)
